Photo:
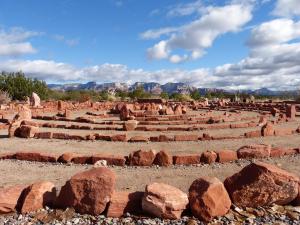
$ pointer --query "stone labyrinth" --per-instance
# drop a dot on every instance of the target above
(149, 162)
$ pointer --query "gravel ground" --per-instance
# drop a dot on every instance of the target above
(276, 215)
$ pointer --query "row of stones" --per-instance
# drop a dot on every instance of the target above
(162, 158)
(151, 121)
(130, 126)
(27, 131)
(92, 191)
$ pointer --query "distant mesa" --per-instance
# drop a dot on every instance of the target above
(156, 88)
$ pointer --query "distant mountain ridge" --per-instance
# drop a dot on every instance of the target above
(156, 88)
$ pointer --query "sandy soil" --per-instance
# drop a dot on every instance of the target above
(130, 178)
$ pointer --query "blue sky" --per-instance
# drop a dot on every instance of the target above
(231, 44)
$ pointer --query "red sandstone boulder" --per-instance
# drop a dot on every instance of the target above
(9, 198)
(208, 198)
(169, 111)
(296, 201)
(186, 159)
(43, 135)
(208, 157)
(254, 151)
(24, 114)
(13, 129)
(178, 110)
(226, 156)
(37, 196)
(291, 112)
(261, 184)
(35, 156)
(66, 157)
(164, 201)
(82, 159)
(164, 138)
(125, 202)
(25, 131)
(88, 192)
(267, 130)
(130, 125)
(163, 158)
(142, 158)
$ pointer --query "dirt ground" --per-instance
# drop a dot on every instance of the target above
(130, 178)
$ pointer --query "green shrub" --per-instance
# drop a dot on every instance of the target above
(18, 86)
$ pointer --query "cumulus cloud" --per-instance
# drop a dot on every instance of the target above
(274, 32)
(287, 8)
(13, 42)
(199, 34)
(273, 62)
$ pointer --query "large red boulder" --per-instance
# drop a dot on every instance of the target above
(26, 131)
(261, 184)
(88, 192)
(164, 201)
(296, 201)
(254, 151)
(163, 158)
(37, 196)
(208, 198)
(125, 202)
(9, 197)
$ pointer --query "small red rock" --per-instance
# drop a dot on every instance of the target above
(125, 202)
(208, 157)
(208, 198)
(37, 196)
(163, 158)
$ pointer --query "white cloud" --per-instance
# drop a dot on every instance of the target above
(274, 32)
(13, 42)
(178, 59)
(154, 34)
(287, 8)
(200, 34)
(158, 51)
